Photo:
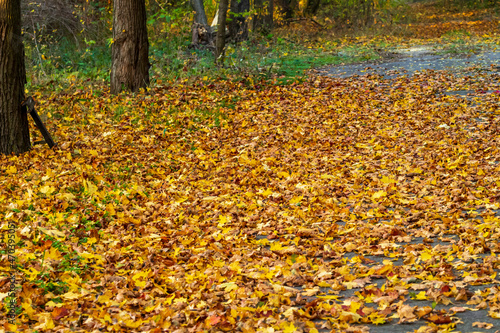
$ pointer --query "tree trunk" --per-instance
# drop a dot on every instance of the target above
(221, 32)
(287, 8)
(130, 63)
(199, 12)
(312, 7)
(263, 19)
(201, 30)
(269, 18)
(238, 26)
(14, 130)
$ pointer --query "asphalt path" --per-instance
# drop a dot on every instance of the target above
(410, 62)
(389, 71)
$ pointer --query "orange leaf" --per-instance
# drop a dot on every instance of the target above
(59, 313)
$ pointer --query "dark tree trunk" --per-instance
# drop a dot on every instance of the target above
(268, 19)
(287, 8)
(14, 130)
(263, 19)
(130, 64)
(221, 32)
(238, 25)
(201, 30)
(199, 12)
(312, 7)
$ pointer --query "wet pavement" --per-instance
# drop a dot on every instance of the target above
(417, 60)
(390, 72)
(465, 321)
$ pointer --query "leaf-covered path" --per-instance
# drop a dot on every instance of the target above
(419, 59)
(333, 204)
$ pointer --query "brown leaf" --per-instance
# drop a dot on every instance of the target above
(59, 313)
(439, 319)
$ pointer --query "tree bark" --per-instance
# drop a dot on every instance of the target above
(263, 19)
(130, 50)
(201, 30)
(287, 8)
(238, 26)
(312, 7)
(221, 31)
(14, 129)
(199, 12)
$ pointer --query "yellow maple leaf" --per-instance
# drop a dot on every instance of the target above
(494, 314)
(283, 174)
(91, 241)
(387, 180)
(362, 145)
(223, 220)
(421, 296)
(376, 318)
(53, 233)
(296, 200)
(48, 190)
(229, 286)
(53, 254)
(379, 194)
(267, 193)
(11, 170)
(110, 209)
(289, 328)
(89, 187)
(71, 295)
(140, 278)
(426, 256)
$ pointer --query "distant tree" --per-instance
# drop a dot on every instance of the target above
(238, 24)
(263, 18)
(221, 31)
(130, 49)
(14, 130)
(199, 12)
(312, 7)
(287, 8)
(201, 30)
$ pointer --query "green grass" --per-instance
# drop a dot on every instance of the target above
(262, 57)
(460, 42)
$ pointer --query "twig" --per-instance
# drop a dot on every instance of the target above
(305, 19)
(36, 46)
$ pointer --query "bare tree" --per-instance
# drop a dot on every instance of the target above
(130, 63)
(14, 130)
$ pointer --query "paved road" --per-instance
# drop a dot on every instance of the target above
(409, 64)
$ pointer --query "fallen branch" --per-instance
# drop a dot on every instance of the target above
(305, 19)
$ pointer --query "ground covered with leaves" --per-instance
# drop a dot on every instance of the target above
(332, 204)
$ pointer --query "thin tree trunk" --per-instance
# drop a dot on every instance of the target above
(238, 26)
(130, 63)
(201, 30)
(221, 32)
(263, 19)
(287, 9)
(14, 129)
(258, 7)
(312, 7)
(199, 12)
(269, 18)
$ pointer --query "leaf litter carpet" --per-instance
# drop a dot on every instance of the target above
(346, 205)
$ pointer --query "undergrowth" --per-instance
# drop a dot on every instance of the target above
(282, 56)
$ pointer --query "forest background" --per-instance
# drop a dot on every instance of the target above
(72, 39)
